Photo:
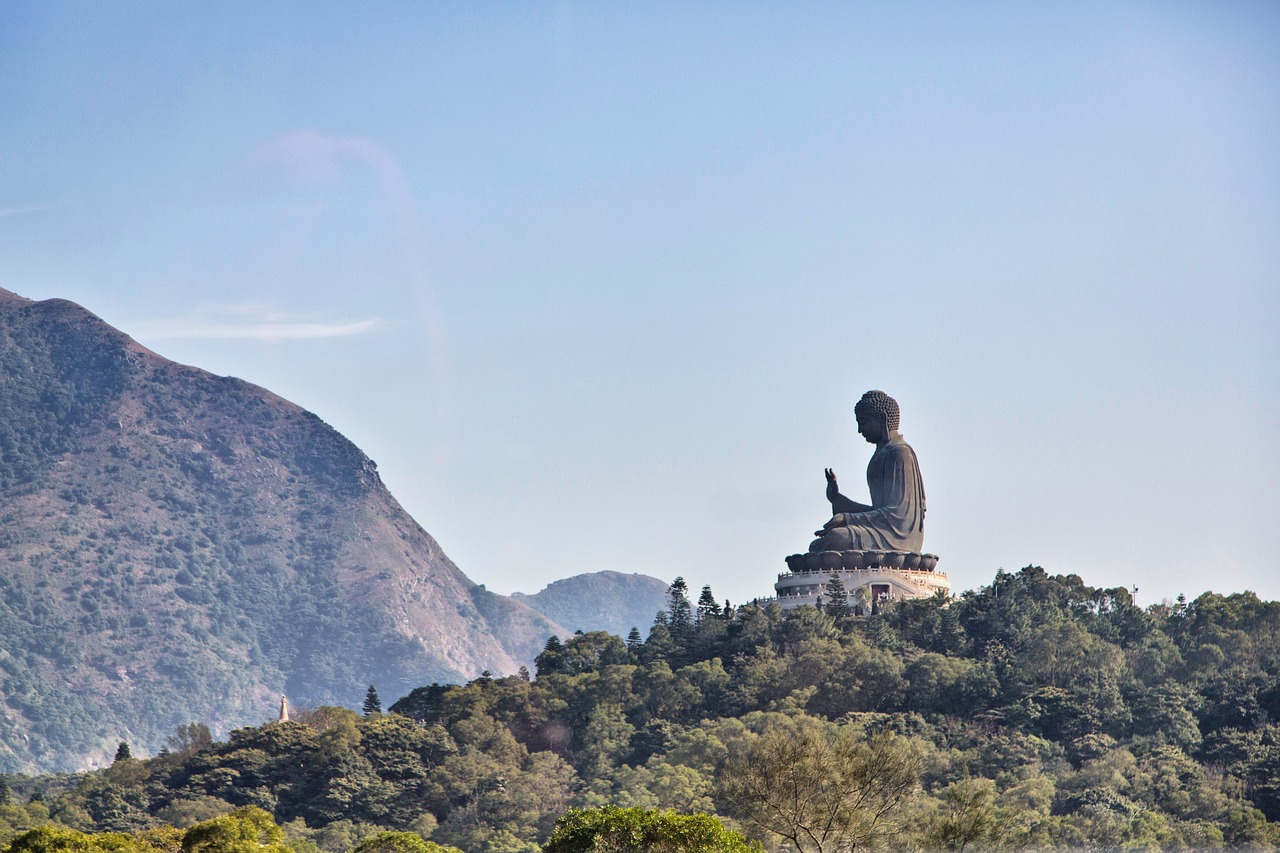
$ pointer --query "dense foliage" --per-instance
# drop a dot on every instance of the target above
(617, 830)
(1035, 712)
(248, 829)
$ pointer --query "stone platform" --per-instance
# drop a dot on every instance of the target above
(882, 575)
(829, 560)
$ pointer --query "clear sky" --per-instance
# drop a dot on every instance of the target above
(598, 284)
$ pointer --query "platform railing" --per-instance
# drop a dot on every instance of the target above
(921, 574)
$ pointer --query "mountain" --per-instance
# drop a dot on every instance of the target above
(177, 546)
(601, 601)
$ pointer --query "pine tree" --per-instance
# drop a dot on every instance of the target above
(707, 604)
(123, 751)
(551, 659)
(372, 704)
(633, 639)
(837, 598)
(878, 633)
(659, 644)
(679, 611)
(951, 636)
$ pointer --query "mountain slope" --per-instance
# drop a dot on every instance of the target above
(178, 546)
(601, 601)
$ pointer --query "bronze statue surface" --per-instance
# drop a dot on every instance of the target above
(894, 521)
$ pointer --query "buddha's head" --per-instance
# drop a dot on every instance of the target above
(877, 415)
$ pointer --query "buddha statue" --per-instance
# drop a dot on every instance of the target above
(895, 519)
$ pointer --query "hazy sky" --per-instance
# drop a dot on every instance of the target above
(597, 285)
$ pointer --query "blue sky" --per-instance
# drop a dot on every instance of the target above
(598, 284)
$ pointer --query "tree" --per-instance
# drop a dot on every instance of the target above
(49, 839)
(400, 842)
(837, 599)
(823, 791)
(372, 704)
(679, 611)
(190, 738)
(970, 817)
(861, 606)
(551, 658)
(634, 640)
(708, 607)
(612, 829)
(246, 830)
(661, 644)
(123, 752)
(606, 739)
(186, 812)
(590, 651)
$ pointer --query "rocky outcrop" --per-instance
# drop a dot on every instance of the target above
(177, 546)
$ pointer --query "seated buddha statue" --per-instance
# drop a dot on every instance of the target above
(894, 521)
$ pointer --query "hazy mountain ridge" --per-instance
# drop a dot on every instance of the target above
(601, 601)
(180, 546)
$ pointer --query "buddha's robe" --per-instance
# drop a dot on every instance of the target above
(895, 521)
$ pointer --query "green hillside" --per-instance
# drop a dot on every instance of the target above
(1034, 713)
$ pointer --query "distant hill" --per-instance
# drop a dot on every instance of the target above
(601, 601)
(177, 546)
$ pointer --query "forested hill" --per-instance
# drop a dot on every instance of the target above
(1034, 713)
(601, 601)
(180, 546)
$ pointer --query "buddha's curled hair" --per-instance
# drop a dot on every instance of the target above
(880, 403)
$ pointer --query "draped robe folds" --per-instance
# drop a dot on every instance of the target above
(895, 521)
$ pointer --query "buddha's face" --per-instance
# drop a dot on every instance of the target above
(871, 425)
